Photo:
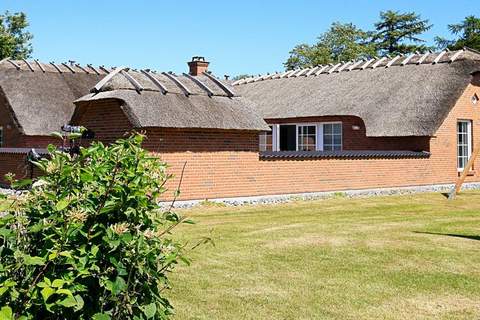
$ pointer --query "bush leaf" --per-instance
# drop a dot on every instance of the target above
(62, 204)
(149, 310)
(101, 316)
(6, 313)
(33, 261)
(118, 286)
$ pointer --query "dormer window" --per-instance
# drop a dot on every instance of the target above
(322, 136)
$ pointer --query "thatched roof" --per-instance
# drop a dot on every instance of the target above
(41, 95)
(153, 99)
(400, 96)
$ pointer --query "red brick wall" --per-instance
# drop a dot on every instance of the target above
(169, 140)
(13, 138)
(17, 164)
(11, 135)
(444, 144)
(224, 163)
(228, 173)
(105, 118)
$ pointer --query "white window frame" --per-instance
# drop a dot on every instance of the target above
(306, 124)
(262, 140)
(276, 137)
(318, 135)
(275, 142)
(469, 141)
(341, 133)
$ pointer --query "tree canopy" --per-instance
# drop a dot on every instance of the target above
(14, 39)
(342, 42)
(394, 33)
(398, 33)
(467, 32)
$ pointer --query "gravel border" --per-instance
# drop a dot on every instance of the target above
(283, 198)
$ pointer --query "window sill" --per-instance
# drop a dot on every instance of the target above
(342, 154)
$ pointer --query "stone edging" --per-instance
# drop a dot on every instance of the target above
(272, 199)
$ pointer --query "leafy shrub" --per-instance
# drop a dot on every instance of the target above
(89, 240)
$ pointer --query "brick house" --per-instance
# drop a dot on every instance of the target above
(387, 122)
(35, 100)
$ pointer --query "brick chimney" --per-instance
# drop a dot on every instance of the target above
(198, 65)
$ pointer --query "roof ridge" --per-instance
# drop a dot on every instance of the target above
(426, 58)
(64, 67)
(71, 67)
(148, 80)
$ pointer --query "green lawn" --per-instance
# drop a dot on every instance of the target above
(399, 257)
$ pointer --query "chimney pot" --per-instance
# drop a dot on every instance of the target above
(198, 65)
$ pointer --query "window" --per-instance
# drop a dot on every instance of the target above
(474, 99)
(332, 136)
(464, 143)
(302, 137)
(1, 137)
(306, 137)
(266, 140)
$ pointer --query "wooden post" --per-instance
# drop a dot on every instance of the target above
(466, 170)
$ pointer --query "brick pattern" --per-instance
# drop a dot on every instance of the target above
(11, 135)
(105, 118)
(17, 164)
(242, 173)
(171, 140)
(13, 138)
(222, 163)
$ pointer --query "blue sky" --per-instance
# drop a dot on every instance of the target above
(243, 36)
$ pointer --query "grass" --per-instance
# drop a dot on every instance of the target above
(398, 257)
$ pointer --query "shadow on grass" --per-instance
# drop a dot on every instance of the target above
(446, 194)
(464, 236)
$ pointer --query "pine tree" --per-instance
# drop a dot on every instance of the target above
(397, 33)
(468, 32)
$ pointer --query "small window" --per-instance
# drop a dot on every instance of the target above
(1, 137)
(266, 140)
(332, 136)
(464, 143)
(475, 99)
(307, 137)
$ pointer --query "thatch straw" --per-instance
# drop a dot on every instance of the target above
(401, 100)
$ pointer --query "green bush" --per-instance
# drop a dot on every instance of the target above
(88, 240)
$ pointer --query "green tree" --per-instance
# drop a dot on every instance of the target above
(341, 42)
(398, 33)
(468, 33)
(14, 39)
(89, 240)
